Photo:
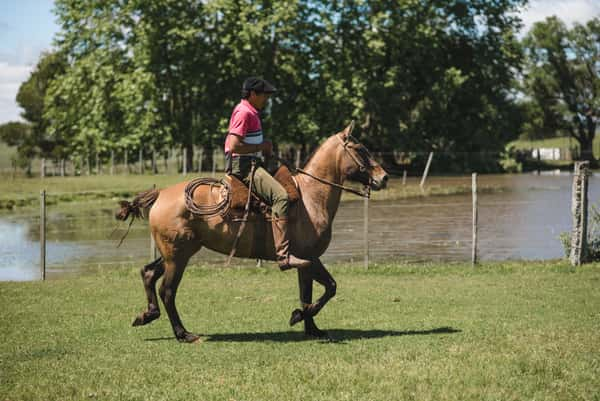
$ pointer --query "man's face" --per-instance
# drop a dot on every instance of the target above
(259, 100)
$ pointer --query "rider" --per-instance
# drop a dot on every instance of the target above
(245, 143)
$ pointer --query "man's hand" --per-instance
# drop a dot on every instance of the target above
(267, 147)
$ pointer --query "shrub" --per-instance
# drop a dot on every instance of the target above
(593, 236)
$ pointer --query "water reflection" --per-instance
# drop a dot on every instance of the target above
(523, 222)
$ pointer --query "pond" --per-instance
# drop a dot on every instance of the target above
(521, 222)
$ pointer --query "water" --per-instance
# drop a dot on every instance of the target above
(523, 222)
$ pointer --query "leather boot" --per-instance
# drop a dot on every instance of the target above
(282, 247)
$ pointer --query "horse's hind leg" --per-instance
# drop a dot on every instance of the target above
(174, 269)
(150, 274)
(318, 273)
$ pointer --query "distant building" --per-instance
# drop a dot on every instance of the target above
(547, 154)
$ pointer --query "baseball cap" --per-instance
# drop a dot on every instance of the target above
(258, 85)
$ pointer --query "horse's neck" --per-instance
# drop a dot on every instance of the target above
(322, 200)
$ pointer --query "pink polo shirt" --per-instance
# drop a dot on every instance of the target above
(245, 123)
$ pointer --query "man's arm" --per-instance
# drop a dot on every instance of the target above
(237, 145)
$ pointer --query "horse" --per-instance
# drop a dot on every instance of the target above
(179, 234)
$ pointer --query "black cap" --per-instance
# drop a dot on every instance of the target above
(258, 85)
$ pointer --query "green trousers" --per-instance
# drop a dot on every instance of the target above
(264, 184)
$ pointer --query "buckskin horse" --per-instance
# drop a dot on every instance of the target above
(179, 234)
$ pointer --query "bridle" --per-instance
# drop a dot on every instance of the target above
(366, 192)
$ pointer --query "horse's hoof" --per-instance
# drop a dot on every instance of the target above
(188, 338)
(297, 317)
(145, 318)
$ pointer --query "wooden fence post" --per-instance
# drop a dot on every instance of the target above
(214, 162)
(184, 161)
(43, 234)
(579, 206)
(154, 165)
(43, 168)
(298, 153)
(126, 163)
(426, 172)
(112, 162)
(366, 232)
(475, 218)
(200, 158)
(141, 160)
(404, 178)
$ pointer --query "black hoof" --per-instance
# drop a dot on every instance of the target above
(145, 318)
(297, 317)
(188, 338)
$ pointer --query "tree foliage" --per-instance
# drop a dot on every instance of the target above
(417, 75)
(563, 79)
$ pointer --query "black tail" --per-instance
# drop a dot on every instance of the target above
(143, 200)
(135, 208)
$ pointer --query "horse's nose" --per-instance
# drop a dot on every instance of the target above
(384, 181)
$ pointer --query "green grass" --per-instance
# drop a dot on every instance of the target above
(512, 331)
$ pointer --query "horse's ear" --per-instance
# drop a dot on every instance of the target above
(348, 130)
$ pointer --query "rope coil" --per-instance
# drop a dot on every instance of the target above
(207, 211)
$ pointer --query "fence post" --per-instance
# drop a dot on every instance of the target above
(141, 160)
(126, 162)
(475, 218)
(43, 234)
(426, 169)
(43, 168)
(153, 250)
(404, 178)
(184, 161)
(214, 160)
(366, 232)
(579, 210)
(200, 158)
(298, 153)
(112, 161)
(154, 165)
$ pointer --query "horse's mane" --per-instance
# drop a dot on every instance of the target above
(315, 150)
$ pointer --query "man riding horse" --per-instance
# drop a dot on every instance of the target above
(245, 145)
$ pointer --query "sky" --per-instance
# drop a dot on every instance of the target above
(27, 28)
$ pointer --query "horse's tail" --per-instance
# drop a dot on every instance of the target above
(139, 206)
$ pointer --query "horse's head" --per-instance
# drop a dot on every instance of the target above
(358, 164)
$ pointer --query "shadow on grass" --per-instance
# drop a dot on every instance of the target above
(335, 335)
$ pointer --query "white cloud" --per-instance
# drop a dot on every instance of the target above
(569, 11)
(11, 77)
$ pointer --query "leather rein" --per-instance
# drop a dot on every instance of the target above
(365, 193)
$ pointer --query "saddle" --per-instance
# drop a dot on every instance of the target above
(238, 194)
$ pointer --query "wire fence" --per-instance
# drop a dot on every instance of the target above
(520, 224)
(179, 160)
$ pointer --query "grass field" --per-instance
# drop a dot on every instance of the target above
(512, 331)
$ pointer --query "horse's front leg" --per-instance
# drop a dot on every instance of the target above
(318, 273)
(150, 274)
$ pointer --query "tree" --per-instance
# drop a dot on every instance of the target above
(563, 78)
(18, 134)
(37, 140)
